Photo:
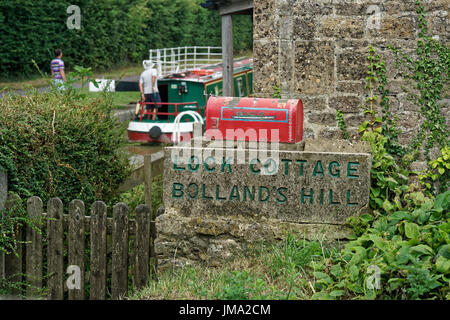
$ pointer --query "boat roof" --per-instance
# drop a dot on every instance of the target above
(209, 72)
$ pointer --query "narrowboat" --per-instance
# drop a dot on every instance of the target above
(184, 95)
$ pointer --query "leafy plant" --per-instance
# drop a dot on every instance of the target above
(439, 172)
(409, 248)
(276, 92)
(60, 146)
(342, 125)
(427, 76)
(388, 177)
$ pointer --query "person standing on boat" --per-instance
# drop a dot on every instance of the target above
(148, 85)
(57, 68)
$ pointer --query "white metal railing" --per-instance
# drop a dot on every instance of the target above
(173, 60)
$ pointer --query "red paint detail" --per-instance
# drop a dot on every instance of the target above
(257, 116)
(135, 136)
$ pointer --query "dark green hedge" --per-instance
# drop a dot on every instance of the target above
(113, 32)
(60, 146)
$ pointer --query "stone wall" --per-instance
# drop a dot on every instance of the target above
(317, 50)
(217, 206)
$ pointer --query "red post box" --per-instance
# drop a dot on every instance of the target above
(253, 119)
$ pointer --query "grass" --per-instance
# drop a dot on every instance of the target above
(37, 81)
(120, 99)
(276, 271)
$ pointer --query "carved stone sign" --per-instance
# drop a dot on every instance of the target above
(293, 186)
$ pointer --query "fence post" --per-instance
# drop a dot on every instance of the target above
(148, 180)
(13, 262)
(141, 245)
(98, 251)
(76, 245)
(34, 246)
(3, 195)
(119, 279)
(55, 249)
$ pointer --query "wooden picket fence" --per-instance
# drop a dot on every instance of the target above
(107, 237)
(121, 248)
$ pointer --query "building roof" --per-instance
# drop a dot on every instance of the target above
(212, 4)
(229, 6)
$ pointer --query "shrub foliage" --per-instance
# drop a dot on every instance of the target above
(55, 145)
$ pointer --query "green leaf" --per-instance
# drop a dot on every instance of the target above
(379, 202)
(323, 277)
(336, 271)
(443, 265)
(358, 256)
(399, 216)
(395, 283)
(337, 293)
(321, 295)
(366, 218)
(444, 251)
(403, 255)
(379, 242)
(442, 201)
(423, 216)
(387, 206)
(375, 191)
(354, 272)
(421, 249)
(412, 230)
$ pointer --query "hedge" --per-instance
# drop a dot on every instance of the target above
(112, 33)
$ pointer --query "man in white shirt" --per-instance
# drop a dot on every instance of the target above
(148, 85)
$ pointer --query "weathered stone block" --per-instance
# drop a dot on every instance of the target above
(351, 65)
(266, 21)
(336, 145)
(287, 53)
(354, 8)
(355, 120)
(394, 7)
(312, 7)
(178, 244)
(314, 66)
(395, 27)
(330, 133)
(409, 120)
(313, 104)
(267, 26)
(323, 118)
(304, 27)
(265, 67)
(350, 87)
(339, 27)
(308, 133)
(438, 25)
(298, 187)
(346, 104)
